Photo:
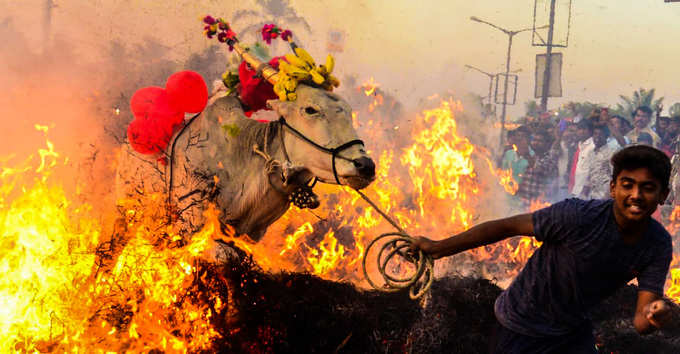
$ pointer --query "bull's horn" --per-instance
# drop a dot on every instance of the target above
(268, 73)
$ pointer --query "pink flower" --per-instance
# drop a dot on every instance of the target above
(209, 20)
(268, 33)
(286, 35)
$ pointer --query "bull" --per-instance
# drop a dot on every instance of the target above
(250, 170)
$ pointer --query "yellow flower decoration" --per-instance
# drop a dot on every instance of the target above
(300, 67)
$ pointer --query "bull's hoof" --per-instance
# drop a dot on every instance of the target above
(223, 253)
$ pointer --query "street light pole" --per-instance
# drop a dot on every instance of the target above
(507, 71)
(490, 75)
(548, 59)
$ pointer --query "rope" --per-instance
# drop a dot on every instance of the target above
(398, 244)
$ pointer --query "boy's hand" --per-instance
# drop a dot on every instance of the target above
(658, 313)
(426, 245)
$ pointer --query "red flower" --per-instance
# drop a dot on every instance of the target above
(223, 25)
(267, 33)
(222, 37)
(231, 34)
(286, 35)
(209, 20)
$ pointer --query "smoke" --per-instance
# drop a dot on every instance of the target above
(76, 72)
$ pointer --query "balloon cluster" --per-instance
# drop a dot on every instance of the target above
(159, 111)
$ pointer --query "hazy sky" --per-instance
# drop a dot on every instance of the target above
(413, 48)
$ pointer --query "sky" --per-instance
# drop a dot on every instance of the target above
(412, 48)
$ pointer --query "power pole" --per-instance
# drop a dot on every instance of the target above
(510, 34)
(47, 24)
(548, 59)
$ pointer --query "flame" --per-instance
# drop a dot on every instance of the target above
(59, 292)
(370, 86)
(673, 283)
(69, 286)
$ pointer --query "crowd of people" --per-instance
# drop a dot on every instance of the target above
(551, 160)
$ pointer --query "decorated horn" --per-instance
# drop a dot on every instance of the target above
(268, 73)
(226, 35)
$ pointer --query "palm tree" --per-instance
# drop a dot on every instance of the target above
(640, 97)
(573, 109)
(674, 110)
(532, 108)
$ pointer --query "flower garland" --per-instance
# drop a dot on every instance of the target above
(298, 67)
(220, 28)
(271, 31)
(294, 69)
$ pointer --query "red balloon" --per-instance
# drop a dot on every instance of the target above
(143, 99)
(146, 137)
(163, 108)
(166, 121)
(187, 91)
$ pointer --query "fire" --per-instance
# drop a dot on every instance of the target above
(370, 89)
(673, 284)
(47, 250)
(370, 86)
(70, 286)
(65, 288)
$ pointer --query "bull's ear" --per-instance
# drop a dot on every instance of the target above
(283, 108)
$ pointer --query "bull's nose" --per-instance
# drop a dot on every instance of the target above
(365, 167)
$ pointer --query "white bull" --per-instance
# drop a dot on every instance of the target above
(249, 169)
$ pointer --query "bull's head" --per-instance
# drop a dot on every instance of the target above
(317, 122)
(326, 119)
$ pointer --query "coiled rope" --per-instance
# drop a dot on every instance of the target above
(399, 244)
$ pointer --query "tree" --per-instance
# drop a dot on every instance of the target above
(674, 110)
(532, 108)
(640, 97)
(574, 109)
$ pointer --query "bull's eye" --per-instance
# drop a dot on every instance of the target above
(311, 110)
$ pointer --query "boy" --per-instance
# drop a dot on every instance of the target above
(590, 249)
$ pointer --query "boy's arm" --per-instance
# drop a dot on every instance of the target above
(479, 235)
(651, 312)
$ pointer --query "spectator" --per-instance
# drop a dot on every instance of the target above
(622, 124)
(516, 159)
(542, 170)
(645, 139)
(578, 173)
(599, 169)
(670, 136)
(661, 126)
(641, 123)
(605, 120)
(565, 146)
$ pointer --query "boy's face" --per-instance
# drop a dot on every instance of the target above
(636, 194)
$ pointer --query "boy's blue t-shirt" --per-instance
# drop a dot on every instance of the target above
(582, 261)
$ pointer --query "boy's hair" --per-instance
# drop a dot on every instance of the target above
(643, 156)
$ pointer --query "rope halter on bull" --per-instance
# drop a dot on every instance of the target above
(301, 68)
